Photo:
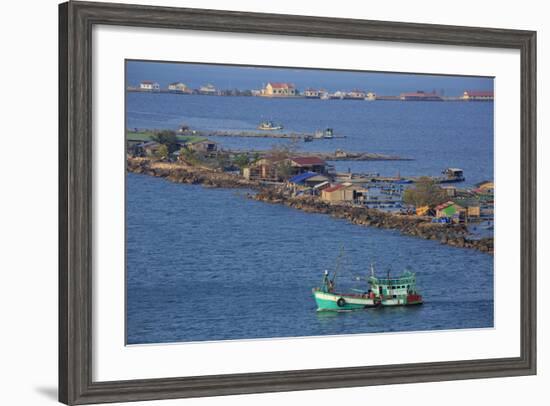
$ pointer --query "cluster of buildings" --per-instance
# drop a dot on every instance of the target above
(151, 148)
(175, 87)
(463, 205)
(285, 89)
(312, 176)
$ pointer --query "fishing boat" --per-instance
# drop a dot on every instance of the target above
(269, 125)
(308, 138)
(388, 291)
(327, 133)
(451, 175)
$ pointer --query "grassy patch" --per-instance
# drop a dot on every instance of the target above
(142, 136)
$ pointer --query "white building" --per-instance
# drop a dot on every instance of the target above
(147, 85)
(178, 87)
(208, 89)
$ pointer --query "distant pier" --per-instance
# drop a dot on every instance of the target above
(258, 134)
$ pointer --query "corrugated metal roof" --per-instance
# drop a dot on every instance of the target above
(480, 93)
(279, 85)
(334, 188)
(308, 160)
(301, 177)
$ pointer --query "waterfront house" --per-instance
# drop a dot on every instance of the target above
(147, 148)
(420, 96)
(475, 95)
(204, 147)
(486, 187)
(149, 86)
(451, 210)
(316, 180)
(267, 169)
(301, 178)
(276, 89)
(301, 164)
(356, 94)
(208, 89)
(370, 96)
(312, 93)
(450, 191)
(332, 193)
(179, 87)
(344, 192)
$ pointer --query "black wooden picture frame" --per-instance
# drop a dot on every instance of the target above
(76, 20)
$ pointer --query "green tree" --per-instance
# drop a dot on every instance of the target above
(162, 152)
(241, 161)
(167, 138)
(424, 193)
(188, 156)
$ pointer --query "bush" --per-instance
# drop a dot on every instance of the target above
(425, 193)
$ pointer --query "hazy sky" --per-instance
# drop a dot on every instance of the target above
(230, 76)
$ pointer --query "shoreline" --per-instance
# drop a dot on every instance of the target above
(454, 235)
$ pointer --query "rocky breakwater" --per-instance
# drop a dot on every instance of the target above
(181, 173)
(451, 234)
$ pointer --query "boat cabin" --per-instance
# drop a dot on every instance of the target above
(454, 173)
(399, 290)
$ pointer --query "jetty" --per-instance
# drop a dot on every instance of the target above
(456, 235)
(338, 155)
(258, 134)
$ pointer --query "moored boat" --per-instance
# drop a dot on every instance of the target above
(269, 125)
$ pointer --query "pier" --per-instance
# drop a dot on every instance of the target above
(337, 155)
(258, 134)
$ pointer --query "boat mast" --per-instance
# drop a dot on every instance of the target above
(338, 264)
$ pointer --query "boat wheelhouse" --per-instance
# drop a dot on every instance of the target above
(395, 291)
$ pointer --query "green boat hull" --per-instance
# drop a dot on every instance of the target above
(338, 302)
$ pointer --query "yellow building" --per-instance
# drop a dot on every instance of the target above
(279, 90)
(472, 95)
(487, 187)
(371, 96)
(344, 193)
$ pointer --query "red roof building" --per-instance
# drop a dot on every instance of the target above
(333, 188)
(307, 161)
(478, 95)
(279, 89)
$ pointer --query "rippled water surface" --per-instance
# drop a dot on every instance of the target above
(436, 135)
(211, 264)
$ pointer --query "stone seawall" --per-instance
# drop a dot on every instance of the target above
(455, 235)
(181, 173)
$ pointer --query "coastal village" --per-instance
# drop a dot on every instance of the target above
(289, 90)
(431, 207)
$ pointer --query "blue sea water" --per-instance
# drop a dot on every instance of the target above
(212, 264)
(436, 135)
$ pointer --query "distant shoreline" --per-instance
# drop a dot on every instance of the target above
(302, 97)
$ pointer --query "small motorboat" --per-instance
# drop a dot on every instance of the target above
(269, 126)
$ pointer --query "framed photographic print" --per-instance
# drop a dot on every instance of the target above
(259, 202)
